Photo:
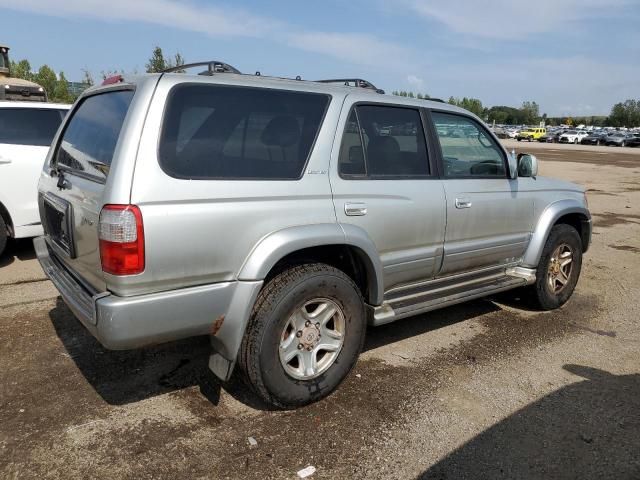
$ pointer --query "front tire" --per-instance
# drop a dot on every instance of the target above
(304, 335)
(3, 235)
(559, 268)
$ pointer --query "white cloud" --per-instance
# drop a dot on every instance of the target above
(415, 82)
(356, 48)
(171, 13)
(513, 19)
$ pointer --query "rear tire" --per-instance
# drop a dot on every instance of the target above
(295, 350)
(558, 270)
(3, 235)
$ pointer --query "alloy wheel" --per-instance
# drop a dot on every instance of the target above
(559, 270)
(312, 339)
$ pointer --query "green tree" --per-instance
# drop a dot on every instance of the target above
(625, 114)
(178, 61)
(531, 112)
(47, 78)
(61, 93)
(156, 63)
(472, 104)
(87, 78)
(505, 115)
(21, 69)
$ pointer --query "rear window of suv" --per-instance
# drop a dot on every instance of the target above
(29, 126)
(227, 132)
(89, 139)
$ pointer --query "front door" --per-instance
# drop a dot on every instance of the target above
(489, 215)
(383, 183)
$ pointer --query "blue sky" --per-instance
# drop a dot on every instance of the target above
(571, 56)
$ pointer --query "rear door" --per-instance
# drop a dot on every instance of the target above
(25, 137)
(385, 184)
(72, 191)
(489, 215)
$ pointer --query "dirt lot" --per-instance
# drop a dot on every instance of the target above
(482, 390)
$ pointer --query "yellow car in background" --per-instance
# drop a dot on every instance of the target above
(531, 134)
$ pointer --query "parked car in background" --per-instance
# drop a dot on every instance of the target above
(552, 136)
(594, 138)
(617, 139)
(633, 141)
(572, 136)
(26, 131)
(531, 134)
(243, 207)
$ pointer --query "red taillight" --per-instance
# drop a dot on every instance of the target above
(121, 237)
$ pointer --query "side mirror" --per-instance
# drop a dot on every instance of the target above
(527, 165)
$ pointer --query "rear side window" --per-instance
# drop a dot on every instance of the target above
(215, 131)
(383, 142)
(467, 149)
(29, 126)
(89, 139)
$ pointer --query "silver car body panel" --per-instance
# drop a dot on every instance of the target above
(493, 226)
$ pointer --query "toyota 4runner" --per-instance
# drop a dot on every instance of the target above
(282, 217)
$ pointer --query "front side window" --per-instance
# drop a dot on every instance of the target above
(383, 142)
(29, 126)
(89, 139)
(467, 149)
(215, 132)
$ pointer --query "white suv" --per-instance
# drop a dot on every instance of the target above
(26, 131)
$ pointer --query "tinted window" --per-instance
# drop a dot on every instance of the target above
(467, 149)
(29, 126)
(213, 131)
(90, 137)
(383, 142)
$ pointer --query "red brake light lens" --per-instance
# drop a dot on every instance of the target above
(121, 235)
(112, 79)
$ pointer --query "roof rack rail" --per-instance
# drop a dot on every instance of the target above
(354, 82)
(213, 66)
(439, 100)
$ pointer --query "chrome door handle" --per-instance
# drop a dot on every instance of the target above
(463, 203)
(355, 209)
(4, 161)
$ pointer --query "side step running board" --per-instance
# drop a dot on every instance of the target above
(435, 298)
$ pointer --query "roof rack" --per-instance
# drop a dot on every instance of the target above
(354, 82)
(213, 66)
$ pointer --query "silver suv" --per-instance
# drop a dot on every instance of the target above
(282, 217)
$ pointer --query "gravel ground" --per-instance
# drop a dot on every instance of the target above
(488, 389)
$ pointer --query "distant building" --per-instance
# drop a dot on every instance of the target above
(76, 88)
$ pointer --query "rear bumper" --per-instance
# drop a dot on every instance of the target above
(121, 323)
